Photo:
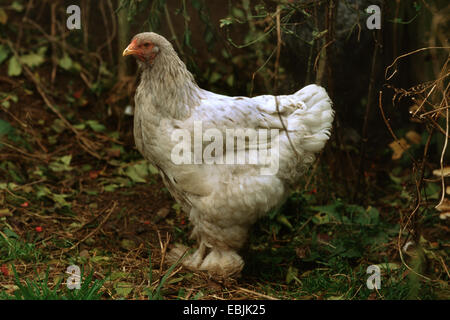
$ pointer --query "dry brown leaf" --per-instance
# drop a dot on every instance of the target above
(398, 147)
(413, 137)
(412, 110)
(5, 212)
(444, 215)
(163, 212)
(445, 172)
(444, 206)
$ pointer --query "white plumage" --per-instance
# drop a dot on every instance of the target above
(222, 200)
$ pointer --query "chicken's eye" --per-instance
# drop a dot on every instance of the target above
(146, 45)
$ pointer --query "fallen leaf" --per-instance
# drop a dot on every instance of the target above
(413, 137)
(3, 16)
(442, 173)
(34, 59)
(14, 67)
(163, 212)
(3, 53)
(94, 174)
(65, 62)
(444, 206)
(85, 254)
(113, 152)
(398, 147)
(5, 212)
(444, 215)
(123, 289)
(118, 275)
(95, 125)
(127, 244)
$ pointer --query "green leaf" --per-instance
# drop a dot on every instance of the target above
(5, 127)
(6, 104)
(292, 274)
(238, 13)
(417, 6)
(138, 172)
(431, 191)
(17, 6)
(90, 192)
(66, 159)
(389, 266)
(34, 59)
(10, 234)
(60, 199)
(62, 164)
(4, 51)
(152, 169)
(225, 22)
(58, 125)
(65, 62)
(118, 275)
(95, 125)
(14, 67)
(42, 192)
(80, 126)
(111, 187)
(123, 289)
(97, 259)
(215, 76)
(230, 80)
(284, 221)
(127, 244)
(367, 217)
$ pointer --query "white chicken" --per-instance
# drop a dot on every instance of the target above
(223, 187)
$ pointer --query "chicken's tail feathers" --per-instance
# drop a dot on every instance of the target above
(313, 119)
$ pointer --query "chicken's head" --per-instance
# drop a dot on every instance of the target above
(145, 47)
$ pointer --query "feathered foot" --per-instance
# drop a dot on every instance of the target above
(218, 262)
(222, 263)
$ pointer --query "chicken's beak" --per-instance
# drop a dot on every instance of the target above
(129, 50)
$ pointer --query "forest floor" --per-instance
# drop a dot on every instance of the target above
(80, 194)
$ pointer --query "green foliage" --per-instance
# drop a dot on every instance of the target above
(156, 293)
(40, 290)
(12, 247)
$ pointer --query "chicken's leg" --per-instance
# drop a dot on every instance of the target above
(223, 263)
